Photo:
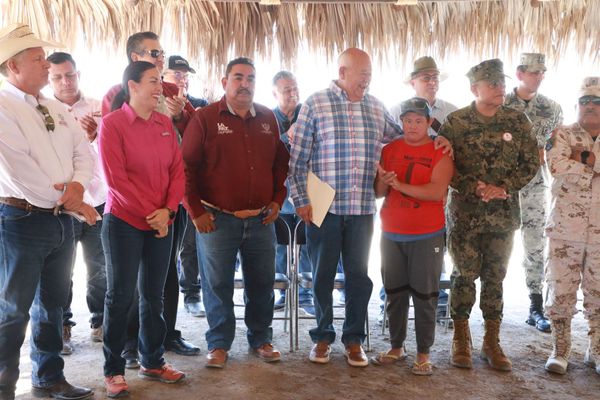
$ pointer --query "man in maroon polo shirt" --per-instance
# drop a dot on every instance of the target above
(236, 167)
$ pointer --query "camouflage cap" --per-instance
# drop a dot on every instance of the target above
(533, 62)
(489, 70)
(590, 87)
(417, 105)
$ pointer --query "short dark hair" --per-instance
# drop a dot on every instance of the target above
(59, 57)
(133, 72)
(522, 68)
(134, 42)
(238, 61)
(283, 75)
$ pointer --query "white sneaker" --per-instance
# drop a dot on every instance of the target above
(556, 364)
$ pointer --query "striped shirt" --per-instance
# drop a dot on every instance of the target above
(340, 142)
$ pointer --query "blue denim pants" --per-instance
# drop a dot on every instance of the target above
(134, 257)
(217, 252)
(36, 251)
(348, 236)
(93, 255)
(189, 269)
(304, 295)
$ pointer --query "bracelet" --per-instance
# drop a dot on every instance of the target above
(584, 156)
(171, 213)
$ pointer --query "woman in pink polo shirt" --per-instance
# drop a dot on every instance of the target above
(144, 172)
(413, 177)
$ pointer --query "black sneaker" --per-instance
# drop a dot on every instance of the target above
(131, 359)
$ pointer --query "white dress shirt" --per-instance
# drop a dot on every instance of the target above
(97, 190)
(33, 159)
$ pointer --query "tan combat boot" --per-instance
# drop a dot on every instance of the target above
(592, 354)
(561, 346)
(491, 350)
(461, 345)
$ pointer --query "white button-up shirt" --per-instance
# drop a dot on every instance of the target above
(33, 159)
(97, 191)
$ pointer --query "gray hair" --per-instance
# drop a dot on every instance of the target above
(283, 75)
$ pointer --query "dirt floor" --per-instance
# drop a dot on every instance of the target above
(246, 377)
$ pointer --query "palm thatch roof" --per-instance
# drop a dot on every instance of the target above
(213, 31)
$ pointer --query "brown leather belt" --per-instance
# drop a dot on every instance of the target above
(25, 205)
(241, 214)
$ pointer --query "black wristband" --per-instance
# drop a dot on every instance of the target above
(584, 156)
(171, 213)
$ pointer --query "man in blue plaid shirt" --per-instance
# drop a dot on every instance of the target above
(338, 136)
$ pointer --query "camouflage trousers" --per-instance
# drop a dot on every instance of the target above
(478, 255)
(532, 199)
(568, 266)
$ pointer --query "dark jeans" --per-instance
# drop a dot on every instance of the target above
(304, 294)
(93, 254)
(36, 251)
(218, 252)
(133, 256)
(189, 269)
(350, 236)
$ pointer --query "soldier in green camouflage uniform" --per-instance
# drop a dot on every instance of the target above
(546, 115)
(573, 229)
(495, 156)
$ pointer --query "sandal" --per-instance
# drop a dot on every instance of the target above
(423, 369)
(385, 358)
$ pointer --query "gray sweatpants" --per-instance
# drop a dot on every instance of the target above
(412, 269)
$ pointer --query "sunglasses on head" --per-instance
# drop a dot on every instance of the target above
(589, 99)
(48, 120)
(154, 53)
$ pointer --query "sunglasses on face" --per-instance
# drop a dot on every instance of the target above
(48, 120)
(155, 53)
(589, 99)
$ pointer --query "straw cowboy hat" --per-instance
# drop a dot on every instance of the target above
(425, 64)
(18, 37)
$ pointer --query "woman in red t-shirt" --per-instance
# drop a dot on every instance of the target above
(413, 176)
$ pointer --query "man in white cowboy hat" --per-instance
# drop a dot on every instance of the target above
(572, 228)
(45, 166)
(545, 115)
(425, 80)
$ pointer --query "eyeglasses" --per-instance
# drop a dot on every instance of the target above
(429, 78)
(48, 120)
(179, 75)
(155, 53)
(589, 99)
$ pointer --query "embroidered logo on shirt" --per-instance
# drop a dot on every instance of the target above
(61, 120)
(165, 134)
(266, 129)
(223, 129)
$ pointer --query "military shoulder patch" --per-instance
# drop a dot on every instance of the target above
(550, 140)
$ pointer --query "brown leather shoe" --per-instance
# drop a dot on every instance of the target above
(268, 353)
(216, 358)
(62, 390)
(356, 356)
(320, 353)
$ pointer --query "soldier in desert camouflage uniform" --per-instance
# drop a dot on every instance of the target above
(495, 156)
(573, 229)
(545, 116)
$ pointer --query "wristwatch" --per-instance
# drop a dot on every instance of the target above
(171, 213)
(584, 156)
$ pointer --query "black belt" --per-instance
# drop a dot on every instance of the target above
(25, 205)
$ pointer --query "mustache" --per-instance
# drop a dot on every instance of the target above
(245, 91)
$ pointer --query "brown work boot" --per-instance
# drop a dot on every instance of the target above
(561, 347)
(461, 345)
(67, 348)
(491, 350)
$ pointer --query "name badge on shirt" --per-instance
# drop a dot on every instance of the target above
(165, 133)
(61, 120)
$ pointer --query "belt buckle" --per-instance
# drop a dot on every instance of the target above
(243, 214)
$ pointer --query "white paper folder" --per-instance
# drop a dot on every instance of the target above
(320, 195)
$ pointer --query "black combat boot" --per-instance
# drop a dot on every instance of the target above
(536, 314)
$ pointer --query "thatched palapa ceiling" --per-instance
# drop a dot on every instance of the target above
(213, 31)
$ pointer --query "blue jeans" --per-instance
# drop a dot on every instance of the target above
(217, 252)
(93, 254)
(189, 269)
(350, 236)
(304, 295)
(36, 251)
(134, 256)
